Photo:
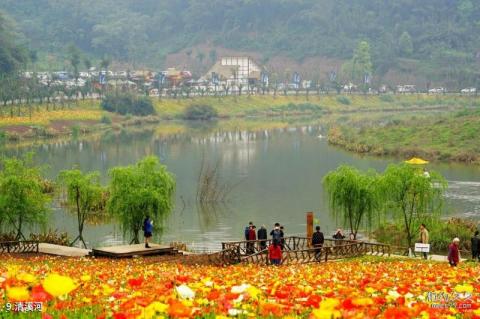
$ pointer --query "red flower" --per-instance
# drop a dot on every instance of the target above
(119, 315)
(135, 282)
(40, 295)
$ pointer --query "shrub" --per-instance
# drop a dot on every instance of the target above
(200, 112)
(127, 103)
(387, 98)
(343, 100)
(106, 119)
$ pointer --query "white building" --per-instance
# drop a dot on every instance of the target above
(235, 70)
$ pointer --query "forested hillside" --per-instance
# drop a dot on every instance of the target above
(437, 39)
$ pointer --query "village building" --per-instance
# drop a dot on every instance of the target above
(235, 70)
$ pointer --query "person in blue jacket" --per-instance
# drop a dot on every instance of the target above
(147, 230)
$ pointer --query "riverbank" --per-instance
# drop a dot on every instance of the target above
(448, 137)
(33, 122)
(371, 287)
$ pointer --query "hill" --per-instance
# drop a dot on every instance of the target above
(437, 40)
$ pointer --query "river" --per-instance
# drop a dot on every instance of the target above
(277, 172)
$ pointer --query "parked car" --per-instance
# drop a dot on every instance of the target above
(406, 88)
(469, 90)
(437, 90)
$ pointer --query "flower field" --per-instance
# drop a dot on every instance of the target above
(141, 288)
(44, 118)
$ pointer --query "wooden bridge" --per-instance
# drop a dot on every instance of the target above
(296, 250)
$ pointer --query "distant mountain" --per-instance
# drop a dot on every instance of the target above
(436, 40)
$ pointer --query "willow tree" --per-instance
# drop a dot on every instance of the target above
(23, 201)
(412, 197)
(146, 188)
(353, 196)
(84, 196)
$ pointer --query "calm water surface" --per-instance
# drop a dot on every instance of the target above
(279, 174)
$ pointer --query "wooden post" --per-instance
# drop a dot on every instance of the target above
(309, 227)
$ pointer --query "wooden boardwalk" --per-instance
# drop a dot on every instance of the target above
(58, 250)
(133, 250)
(297, 250)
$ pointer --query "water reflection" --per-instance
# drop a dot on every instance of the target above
(280, 168)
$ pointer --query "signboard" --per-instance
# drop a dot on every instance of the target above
(296, 78)
(367, 78)
(265, 79)
(215, 78)
(333, 76)
(161, 78)
(422, 248)
(102, 78)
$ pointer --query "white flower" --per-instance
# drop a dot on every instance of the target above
(240, 289)
(394, 294)
(185, 292)
(235, 312)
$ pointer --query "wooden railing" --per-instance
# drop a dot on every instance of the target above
(250, 247)
(296, 250)
(27, 246)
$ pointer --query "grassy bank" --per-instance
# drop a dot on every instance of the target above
(49, 121)
(270, 105)
(447, 137)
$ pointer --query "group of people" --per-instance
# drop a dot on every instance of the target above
(277, 245)
(277, 234)
(453, 256)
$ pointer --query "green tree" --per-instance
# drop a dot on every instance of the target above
(412, 197)
(84, 196)
(360, 64)
(74, 58)
(146, 188)
(23, 201)
(405, 44)
(353, 196)
(12, 56)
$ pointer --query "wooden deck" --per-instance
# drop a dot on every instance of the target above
(66, 251)
(133, 250)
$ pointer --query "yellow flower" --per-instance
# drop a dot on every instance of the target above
(28, 278)
(253, 291)
(153, 309)
(464, 288)
(326, 314)
(329, 304)
(362, 301)
(370, 290)
(86, 278)
(18, 293)
(107, 290)
(58, 285)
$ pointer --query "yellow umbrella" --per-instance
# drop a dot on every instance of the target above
(416, 161)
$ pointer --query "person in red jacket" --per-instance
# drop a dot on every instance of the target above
(275, 253)
(252, 237)
(453, 253)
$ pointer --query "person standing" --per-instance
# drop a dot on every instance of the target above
(453, 253)
(282, 237)
(262, 236)
(275, 253)
(247, 230)
(475, 246)
(424, 239)
(338, 236)
(317, 241)
(147, 230)
(276, 232)
(251, 239)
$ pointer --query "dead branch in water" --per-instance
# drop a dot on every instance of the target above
(210, 188)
